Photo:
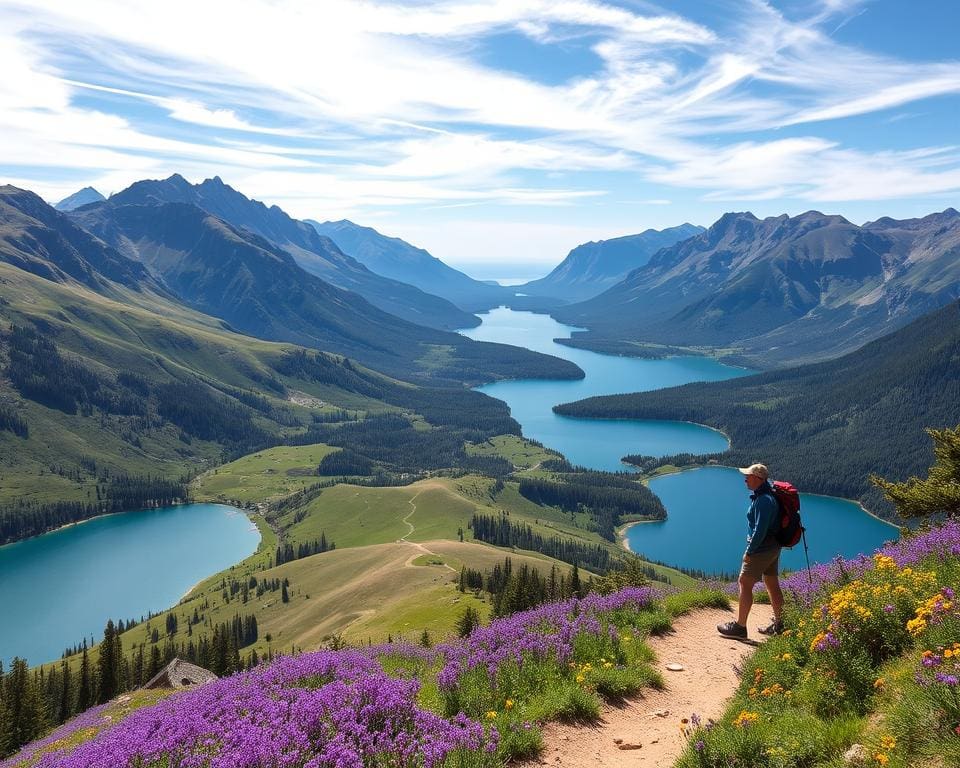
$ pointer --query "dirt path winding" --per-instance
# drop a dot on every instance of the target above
(404, 540)
(645, 732)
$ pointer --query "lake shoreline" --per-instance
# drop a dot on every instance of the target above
(165, 554)
(67, 526)
(817, 505)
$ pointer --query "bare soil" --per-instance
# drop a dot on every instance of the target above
(646, 731)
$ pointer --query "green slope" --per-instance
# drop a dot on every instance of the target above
(106, 388)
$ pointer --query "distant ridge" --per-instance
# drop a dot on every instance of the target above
(398, 259)
(39, 239)
(81, 197)
(316, 254)
(785, 289)
(257, 287)
(591, 268)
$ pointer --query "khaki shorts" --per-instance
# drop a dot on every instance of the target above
(762, 564)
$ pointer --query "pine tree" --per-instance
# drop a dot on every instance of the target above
(5, 746)
(575, 586)
(939, 491)
(284, 595)
(138, 668)
(85, 692)
(156, 662)
(65, 708)
(468, 621)
(425, 641)
(25, 720)
(108, 664)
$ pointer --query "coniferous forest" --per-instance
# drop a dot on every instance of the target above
(826, 426)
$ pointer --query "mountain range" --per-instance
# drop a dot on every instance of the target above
(591, 268)
(38, 239)
(783, 289)
(176, 255)
(398, 259)
(315, 253)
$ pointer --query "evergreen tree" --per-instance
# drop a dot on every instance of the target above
(25, 718)
(575, 586)
(284, 595)
(108, 664)
(425, 641)
(85, 691)
(5, 745)
(65, 709)
(156, 662)
(939, 491)
(138, 668)
(469, 619)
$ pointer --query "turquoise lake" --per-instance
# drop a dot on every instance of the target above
(706, 523)
(593, 442)
(62, 587)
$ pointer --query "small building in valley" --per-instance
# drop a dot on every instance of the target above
(180, 674)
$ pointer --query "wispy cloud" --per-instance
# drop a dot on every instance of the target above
(346, 107)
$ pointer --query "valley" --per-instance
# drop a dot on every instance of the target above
(401, 479)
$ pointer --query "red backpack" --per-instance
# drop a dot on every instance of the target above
(790, 530)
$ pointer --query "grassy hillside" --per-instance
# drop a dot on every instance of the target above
(105, 388)
(827, 427)
(866, 673)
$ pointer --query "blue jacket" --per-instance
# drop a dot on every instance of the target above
(761, 520)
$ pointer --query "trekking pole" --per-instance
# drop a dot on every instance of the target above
(806, 554)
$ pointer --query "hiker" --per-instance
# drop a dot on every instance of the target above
(762, 558)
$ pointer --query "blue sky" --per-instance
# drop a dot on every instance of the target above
(496, 134)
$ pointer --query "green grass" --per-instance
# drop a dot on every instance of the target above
(141, 334)
(262, 476)
(519, 452)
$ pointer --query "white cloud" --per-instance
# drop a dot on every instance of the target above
(359, 107)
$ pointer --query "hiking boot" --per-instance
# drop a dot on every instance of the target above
(775, 627)
(732, 629)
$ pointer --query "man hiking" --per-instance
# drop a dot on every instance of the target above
(762, 558)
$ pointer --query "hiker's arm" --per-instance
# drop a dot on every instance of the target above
(766, 514)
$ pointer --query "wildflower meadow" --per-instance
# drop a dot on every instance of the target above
(870, 657)
(475, 702)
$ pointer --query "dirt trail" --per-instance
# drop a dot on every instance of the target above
(649, 727)
(423, 550)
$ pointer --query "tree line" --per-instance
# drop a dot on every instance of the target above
(286, 552)
(605, 496)
(517, 588)
(11, 421)
(503, 532)
(33, 702)
(26, 518)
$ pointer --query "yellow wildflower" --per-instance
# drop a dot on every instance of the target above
(580, 678)
(888, 742)
(508, 704)
(744, 718)
(491, 715)
(881, 758)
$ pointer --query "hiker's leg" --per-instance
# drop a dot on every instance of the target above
(746, 582)
(772, 583)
